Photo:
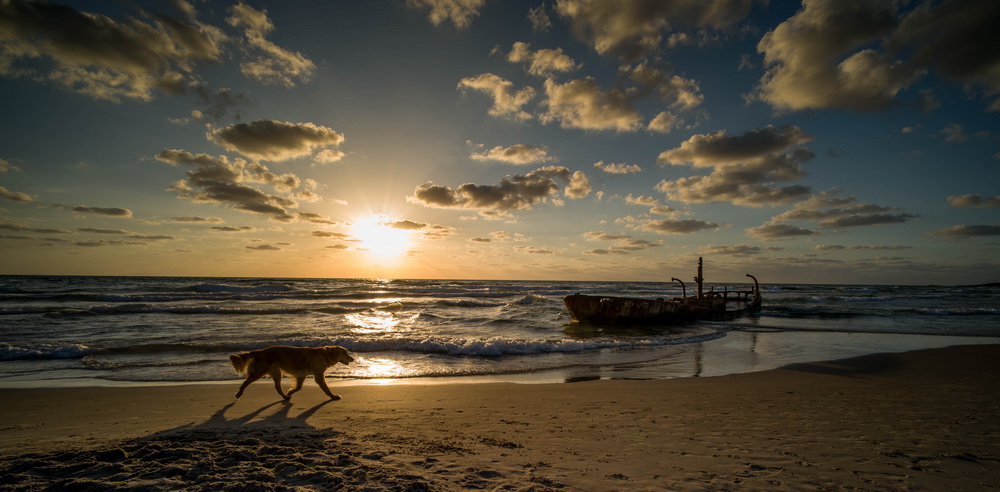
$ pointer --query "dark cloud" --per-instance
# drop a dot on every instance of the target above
(101, 57)
(110, 212)
(633, 29)
(831, 211)
(977, 201)
(623, 243)
(744, 167)
(768, 232)
(134, 58)
(102, 231)
(210, 220)
(967, 231)
(15, 196)
(683, 226)
(275, 140)
(17, 227)
(264, 247)
(519, 192)
(233, 228)
(828, 55)
(221, 180)
(739, 250)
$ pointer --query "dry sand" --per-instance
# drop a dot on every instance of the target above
(926, 420)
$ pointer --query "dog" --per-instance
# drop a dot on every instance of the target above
(297, 362)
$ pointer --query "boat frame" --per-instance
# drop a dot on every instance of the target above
(711, 305)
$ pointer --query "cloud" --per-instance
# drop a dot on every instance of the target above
(194, 219)
(744, 167)
(623, 244)
(265, 61)
(110, 212)
(825, 55)
(264, 247)
(507, 102)
(519, 192)
(19, 227)
(328, 156)
(539, 17)
(532, 250)
(543, 62)
(620, 168)
(834, 247)
(683, 226)
(977, 201)
(102, 231)
(15, 196)
(274, 140)
(933, 30)
(233, 228)
(459, 12)
(811, 64)
(632, 29)
(832, 211)
(739, 250)
(103, 58)
(427, 231)
(215, 106)
(647, 201)
(518, 154)
(6, 166)
(967, 231)
(221, 180)
(770, 232)
(583, 105)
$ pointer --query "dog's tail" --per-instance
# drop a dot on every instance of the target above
(240, 361)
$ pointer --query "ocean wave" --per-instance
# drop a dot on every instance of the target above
(43, 352)
(502, 346)
(238, 289)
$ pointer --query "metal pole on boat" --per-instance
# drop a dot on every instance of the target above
(683, 289)
(699, 279)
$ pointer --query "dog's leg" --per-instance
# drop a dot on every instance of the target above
(251, 377)
(299, 381)
(275, 374)
(321, 381)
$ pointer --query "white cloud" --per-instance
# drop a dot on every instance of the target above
(459, 12)
(269, 63)
(517, 154)
(507, 102)
(543, 62)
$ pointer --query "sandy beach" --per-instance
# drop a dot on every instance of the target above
(923, 420)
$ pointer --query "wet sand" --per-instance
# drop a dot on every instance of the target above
(924, 420)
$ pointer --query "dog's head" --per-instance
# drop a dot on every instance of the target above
(335, 354)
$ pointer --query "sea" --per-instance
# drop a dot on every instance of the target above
(58, 331)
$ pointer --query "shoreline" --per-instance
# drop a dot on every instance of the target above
(926, 419)
(738, 352)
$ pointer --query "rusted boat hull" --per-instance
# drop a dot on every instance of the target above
(604, 309)
(710, 306)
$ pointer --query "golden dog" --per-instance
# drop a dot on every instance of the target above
(298, 362)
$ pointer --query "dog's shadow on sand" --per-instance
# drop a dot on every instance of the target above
(259, 424)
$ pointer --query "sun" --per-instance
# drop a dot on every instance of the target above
(380, 239)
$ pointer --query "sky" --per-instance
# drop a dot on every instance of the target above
(607, 140)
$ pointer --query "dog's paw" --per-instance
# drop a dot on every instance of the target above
(334, 397)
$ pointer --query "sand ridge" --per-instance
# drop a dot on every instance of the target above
(925, 420)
